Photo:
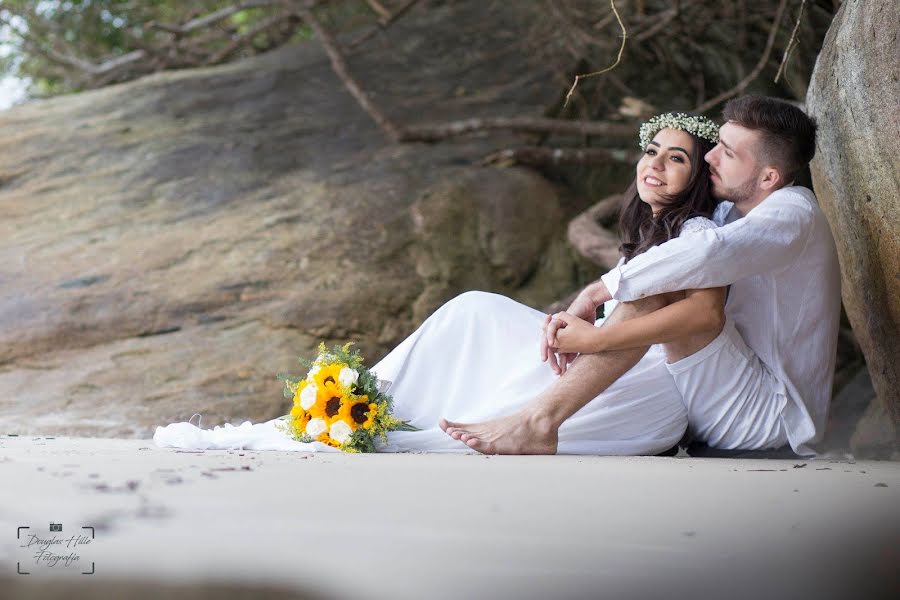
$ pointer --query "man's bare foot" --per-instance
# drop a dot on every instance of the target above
(519, 433)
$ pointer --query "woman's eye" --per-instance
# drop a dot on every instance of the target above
(650, 151)
(678, 159)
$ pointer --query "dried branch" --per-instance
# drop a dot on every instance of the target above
(399, 12)
(432, 133)
(379, 8)
(742, 85)
(214, 17)
(590, 239)
(83, 65)
(666, 17)
(539, 156)
(612, 66)
(790, 46)
(383, 23)
(247, 37)
(339, 64)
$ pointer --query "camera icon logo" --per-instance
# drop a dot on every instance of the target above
(55, 526)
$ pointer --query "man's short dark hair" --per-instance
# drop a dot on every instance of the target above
(788, 133)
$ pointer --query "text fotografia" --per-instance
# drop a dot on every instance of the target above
(54, 549)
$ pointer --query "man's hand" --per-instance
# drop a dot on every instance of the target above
(582, 307)
(575, 335)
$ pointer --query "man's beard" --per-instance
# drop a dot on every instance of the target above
(737, 195)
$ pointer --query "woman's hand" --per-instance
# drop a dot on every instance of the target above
(574, 335)
(583, 307)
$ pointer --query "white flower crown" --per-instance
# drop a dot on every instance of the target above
(699, 126)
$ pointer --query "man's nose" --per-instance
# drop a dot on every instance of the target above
(710, 156)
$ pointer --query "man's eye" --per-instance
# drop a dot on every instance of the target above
(729, 154)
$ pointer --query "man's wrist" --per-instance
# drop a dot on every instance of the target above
(597, 293)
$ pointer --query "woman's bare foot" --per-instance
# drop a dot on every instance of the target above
(519, 433)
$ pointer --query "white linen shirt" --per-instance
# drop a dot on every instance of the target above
(781, 262)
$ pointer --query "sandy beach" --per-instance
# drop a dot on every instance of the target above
(441, 526)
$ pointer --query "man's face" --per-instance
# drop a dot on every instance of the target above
(734, 170)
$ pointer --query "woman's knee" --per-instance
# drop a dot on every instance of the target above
(476, 299)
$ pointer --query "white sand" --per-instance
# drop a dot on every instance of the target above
(457, 526)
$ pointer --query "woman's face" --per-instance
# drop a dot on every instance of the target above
(665, 168)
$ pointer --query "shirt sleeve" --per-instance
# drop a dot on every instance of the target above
(770, 237)
(696, 225)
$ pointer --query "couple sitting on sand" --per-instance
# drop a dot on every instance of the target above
(720, 329)
(722, 315)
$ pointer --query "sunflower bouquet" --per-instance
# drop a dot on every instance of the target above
(339, 402)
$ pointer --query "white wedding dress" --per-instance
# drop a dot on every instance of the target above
(478, 357)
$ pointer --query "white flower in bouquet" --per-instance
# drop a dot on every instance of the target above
(308, 396)
(316, 427)
(312, 372)
(340, 432)
(348, 377)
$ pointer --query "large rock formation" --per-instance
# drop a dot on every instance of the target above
(853, 94)
(170, 244)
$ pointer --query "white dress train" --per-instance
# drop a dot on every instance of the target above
(478, 357)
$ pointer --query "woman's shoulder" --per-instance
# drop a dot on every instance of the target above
(697, 224)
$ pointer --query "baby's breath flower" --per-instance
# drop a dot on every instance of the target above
(698, 125)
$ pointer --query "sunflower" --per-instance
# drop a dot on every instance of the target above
(359, 412)
(328, 374)
(327, 401)
(299, 419)
(326, 439)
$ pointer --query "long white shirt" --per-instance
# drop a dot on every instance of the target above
(781, 262)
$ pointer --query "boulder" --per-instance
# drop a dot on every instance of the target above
(853, 95)
(170, 244)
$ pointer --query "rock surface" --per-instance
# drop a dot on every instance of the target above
(168, 245)
(853, 95)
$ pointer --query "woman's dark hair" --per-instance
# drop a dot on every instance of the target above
(641, 229)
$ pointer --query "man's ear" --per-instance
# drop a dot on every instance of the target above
(771, 179)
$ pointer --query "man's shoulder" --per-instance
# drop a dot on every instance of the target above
(793, 195)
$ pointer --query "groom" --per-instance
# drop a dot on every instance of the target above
(776, 252)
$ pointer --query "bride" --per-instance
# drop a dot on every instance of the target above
(483, 358)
